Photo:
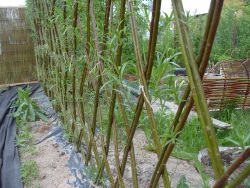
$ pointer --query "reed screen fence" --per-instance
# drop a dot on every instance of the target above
(17, 59)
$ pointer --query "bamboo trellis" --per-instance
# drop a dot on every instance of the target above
(79, 48)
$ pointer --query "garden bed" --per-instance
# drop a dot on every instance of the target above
(54, 153)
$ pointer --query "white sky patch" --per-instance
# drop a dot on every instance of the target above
(12, 2)
(193, 6)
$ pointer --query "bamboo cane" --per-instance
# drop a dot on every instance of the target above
(188, 108)
(144, 95)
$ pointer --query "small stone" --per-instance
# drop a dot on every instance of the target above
(61, 154)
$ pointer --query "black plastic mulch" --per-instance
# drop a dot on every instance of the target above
(9, 159)
(83, 178)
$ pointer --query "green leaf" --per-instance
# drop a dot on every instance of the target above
(182, 183)
(25, 114)
(246, 139)
(149, 147)
(236, 143)
(32, 113)
(147, 132)
(42, 117)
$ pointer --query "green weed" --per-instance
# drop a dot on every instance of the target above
(239, 135)
(182, 183)
(27, 108)
(29, 172)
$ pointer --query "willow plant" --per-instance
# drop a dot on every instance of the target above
(80, 50)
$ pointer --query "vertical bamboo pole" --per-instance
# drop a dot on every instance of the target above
(97, 88)
(73, 73)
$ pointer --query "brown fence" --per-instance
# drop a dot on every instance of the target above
(17, 60)
(232, 87)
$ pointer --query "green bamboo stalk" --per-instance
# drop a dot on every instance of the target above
(118, 63)
(84, 74)
(47, 12)
(73, 73)
(207, 127)
(65, 77)
(106, 26)
(117, 161)
(199, 59)
(121, 32)
(39, 6)
(198, 92)
(88, 26)
(243, 175)
(97, 90)
(81, 93)
(141, 99)
(144, 91)
(241, 159)
(58, 53)
(208, 38)
(92, 140)
(105, 158)
(113, 95)
(93, 125)
(108, 134)
(132, 151)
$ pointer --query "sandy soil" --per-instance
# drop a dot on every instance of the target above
(52, 160)
(146, 162)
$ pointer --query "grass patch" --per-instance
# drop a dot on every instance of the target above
(191, 139)
(29, 173)
(239, 135)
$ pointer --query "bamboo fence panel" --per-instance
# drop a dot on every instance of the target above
(232, 88)
(17, 60)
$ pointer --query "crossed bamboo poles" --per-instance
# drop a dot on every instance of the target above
(195, 69)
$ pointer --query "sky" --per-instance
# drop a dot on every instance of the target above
(194, 6)
(12, 2)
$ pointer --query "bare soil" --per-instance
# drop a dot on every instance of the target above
(146, 162)
(52, 160)
(49, 158)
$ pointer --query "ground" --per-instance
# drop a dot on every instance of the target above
(60, 165)
(52, 160)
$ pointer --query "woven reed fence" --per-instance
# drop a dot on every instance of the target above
(80, 51)
(233, 87)
(17, 60)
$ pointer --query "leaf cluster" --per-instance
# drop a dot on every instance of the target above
(27, 108)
